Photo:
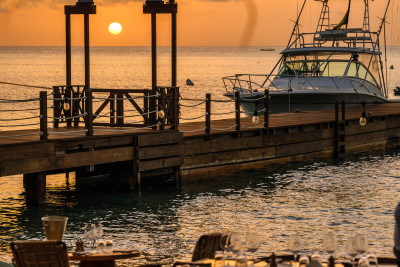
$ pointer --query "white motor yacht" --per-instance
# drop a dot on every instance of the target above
(333, 64)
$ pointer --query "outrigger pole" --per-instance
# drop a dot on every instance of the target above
(374, 47)
(296, 25)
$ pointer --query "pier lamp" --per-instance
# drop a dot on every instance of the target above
(66, 105)
(161, 113)
(363, 118)
(256, 118)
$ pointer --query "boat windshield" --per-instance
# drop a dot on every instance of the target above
(315, 68)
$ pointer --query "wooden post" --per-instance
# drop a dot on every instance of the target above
(112, 109)
(56, 106)
(175, 95)
(146, 108)
(43, 115)
(120, 109)
(67, 100)
(125, 174)
(173, 49)
(89, 111)
(237, 110)
(35, 188)
(75, 106)
(89, 99)
(154, 50)
(266, 107)
(208, 113)
(161, 106)
(68, 48)
(153, 100)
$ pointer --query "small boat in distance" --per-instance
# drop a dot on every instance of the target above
(267, 49)
(333, 64)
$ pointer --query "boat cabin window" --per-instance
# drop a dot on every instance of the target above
(337, 68)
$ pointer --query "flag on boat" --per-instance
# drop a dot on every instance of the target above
(345, 19)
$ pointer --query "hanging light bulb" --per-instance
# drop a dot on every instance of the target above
(363, 118)
(256, 119)
(161, 113)
(66, 105)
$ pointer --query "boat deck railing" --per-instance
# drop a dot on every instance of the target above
(350, 38)
(252, 83)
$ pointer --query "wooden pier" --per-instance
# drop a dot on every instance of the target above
(133, 134)
(182, 150)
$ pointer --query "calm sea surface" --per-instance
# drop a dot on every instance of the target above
(311, 198)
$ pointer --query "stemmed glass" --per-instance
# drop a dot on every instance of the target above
(225, 245)
(361, 243)
(295, 244)
(235, 243)
(330, 243)
(351, 249)
(98, 231)
(88, 232)
(253, 242)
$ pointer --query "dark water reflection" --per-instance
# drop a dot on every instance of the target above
(164, 222)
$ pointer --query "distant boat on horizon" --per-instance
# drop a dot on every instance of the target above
(267, 49)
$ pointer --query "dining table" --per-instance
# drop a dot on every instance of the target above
(92, 258)
(286, 261)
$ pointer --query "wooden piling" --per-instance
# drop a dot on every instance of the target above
(35, 188)
(126, 176)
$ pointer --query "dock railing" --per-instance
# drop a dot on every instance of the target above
(145, 108)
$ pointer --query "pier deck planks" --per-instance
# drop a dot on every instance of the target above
(189, 128)
(70, 148)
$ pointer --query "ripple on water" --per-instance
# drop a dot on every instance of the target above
(359, 194)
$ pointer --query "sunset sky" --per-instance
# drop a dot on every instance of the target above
(200, 22)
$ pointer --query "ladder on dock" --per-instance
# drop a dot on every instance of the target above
(340, 131)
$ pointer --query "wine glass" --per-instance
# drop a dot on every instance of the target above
(253, 242)
(224, 245)
(295, 244)
(98, 231)
(361, 243)
(88, 232)
(235, 243)
(351, 249)
(330, 243)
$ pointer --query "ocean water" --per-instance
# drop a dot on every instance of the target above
(164, 222)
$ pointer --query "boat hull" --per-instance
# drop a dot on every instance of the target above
(301, 102)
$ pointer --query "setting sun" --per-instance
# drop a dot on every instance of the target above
(115, 28)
